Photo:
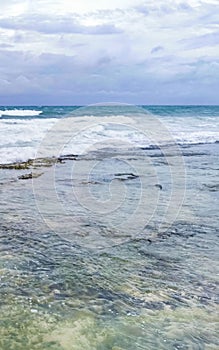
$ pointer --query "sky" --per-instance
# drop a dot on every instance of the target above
(57, 52)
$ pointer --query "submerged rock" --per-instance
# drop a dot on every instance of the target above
(159, 186)
(125, 176)
(212, 188)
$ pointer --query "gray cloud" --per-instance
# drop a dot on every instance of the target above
(157, 49)
(47, 77)
(211, 39)
(157, 8)
(5, 46)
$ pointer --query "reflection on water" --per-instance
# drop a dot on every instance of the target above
(156, 290)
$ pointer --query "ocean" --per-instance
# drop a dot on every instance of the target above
(22, 128)
(109, 235)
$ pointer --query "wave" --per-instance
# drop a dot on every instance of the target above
(21, 138)
(20, 113)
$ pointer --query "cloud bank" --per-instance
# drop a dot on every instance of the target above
(143, 52)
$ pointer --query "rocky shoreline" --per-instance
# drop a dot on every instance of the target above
(34, 164)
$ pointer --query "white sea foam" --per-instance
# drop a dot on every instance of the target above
(20, 113)
(20, 139)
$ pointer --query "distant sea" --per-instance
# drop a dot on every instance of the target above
(109, 236)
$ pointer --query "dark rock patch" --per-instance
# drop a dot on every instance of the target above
(29, 176)
(212, 188)
(125, 176)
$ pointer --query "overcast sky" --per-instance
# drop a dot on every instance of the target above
(88, 51)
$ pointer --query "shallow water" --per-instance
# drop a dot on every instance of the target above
(76, 274)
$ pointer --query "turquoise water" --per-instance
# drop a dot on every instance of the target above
(58, 111)
(90, 255)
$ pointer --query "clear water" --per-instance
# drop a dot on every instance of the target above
(117, 246)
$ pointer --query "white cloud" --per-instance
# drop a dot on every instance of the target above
(80, 7)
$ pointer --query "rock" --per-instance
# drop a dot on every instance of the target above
(212, 188)
(159, 186)
(68, 157)
(17, 166)
(29, 176)
(90, 182)
(125, 176)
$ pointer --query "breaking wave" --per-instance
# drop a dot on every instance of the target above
(20, 113)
